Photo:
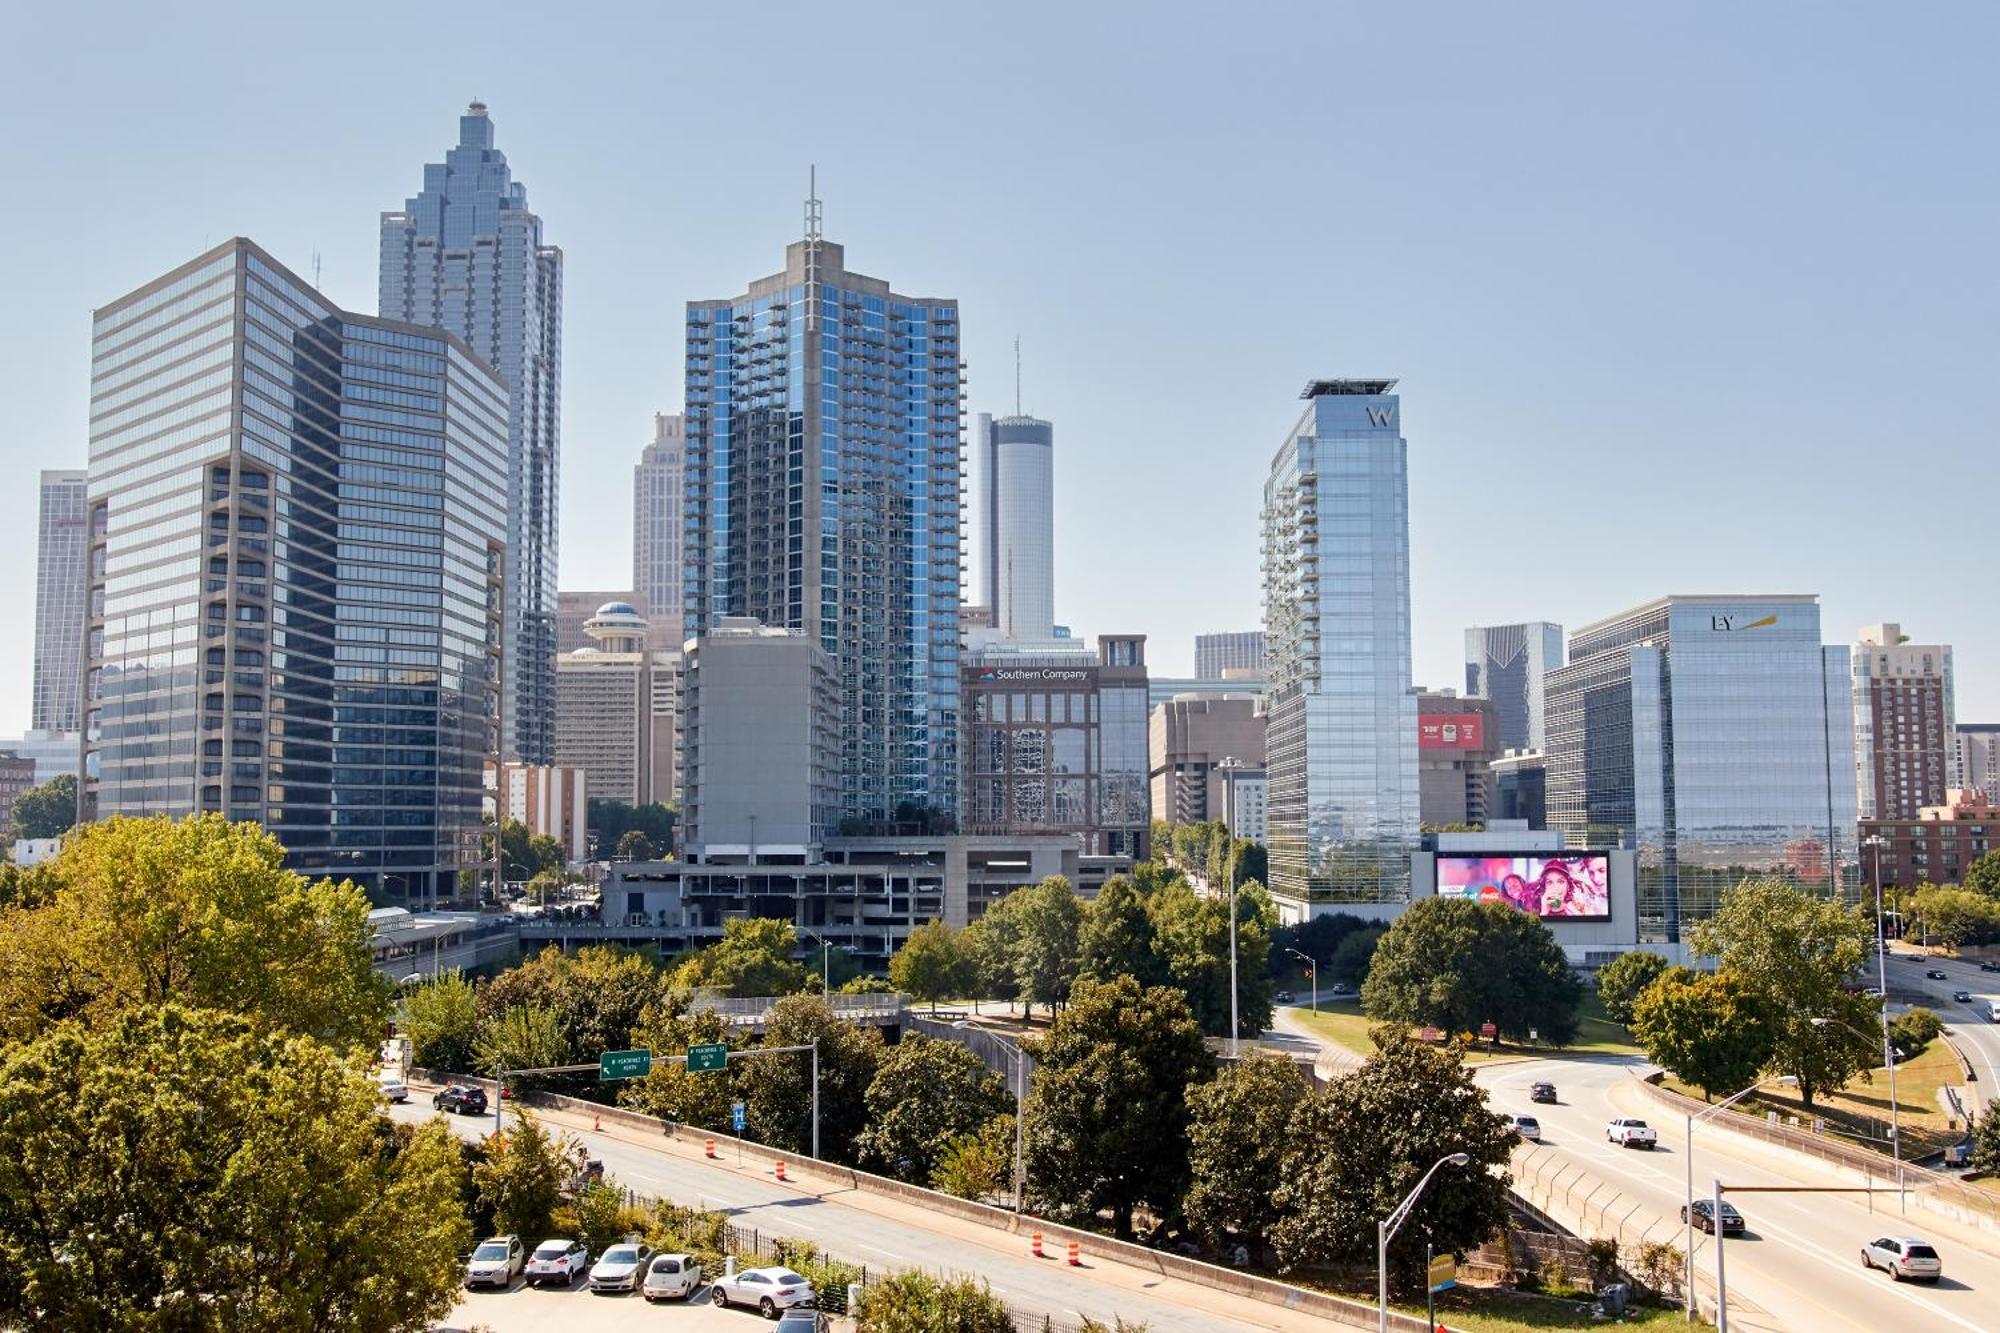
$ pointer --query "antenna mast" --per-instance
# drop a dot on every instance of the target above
(1017, 374)
(812, 245)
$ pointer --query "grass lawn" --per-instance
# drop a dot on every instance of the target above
(1494, 1310)
(1862, 1109)
(1342, 1023)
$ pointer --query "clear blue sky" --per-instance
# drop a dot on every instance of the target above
(1682, 298)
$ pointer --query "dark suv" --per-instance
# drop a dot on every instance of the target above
(460, 1099)
(1543, 1092)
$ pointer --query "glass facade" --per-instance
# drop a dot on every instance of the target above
(465, 255)
(1011, 527)
(1508, 664)
(659, 553)
(1342, 731)
(1714, 735)
(822, 485)
(1242, 650)
(59, 588)
(296, 575)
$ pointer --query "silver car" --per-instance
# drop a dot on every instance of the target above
(621, 1268)
(496, 1262)
(1903, 1257)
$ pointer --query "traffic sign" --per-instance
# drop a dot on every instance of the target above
(703, 1059)
(1430, 1034)
(623, 1064)
(1444, 1271)
(1489, 1030)
(736, 1115)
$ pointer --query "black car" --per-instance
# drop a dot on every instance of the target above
(1704, 1212)
(460, 1099)
(1937, 974)
(1989, 967)
(1543, 1092)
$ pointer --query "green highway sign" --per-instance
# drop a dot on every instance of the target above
(623, 1064)
(706, 1059)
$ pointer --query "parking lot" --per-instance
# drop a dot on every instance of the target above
(521, 1309)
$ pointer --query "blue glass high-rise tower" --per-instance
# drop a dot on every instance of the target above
(466, 256)
(823, 450)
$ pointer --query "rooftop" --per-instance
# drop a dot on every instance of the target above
(1346, 388)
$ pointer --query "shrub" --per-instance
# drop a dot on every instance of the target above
(915, 1302)
(1660, 1267)
(1909, 1033)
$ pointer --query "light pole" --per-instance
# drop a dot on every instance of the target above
(1228, 767)
(1895, 1123)
(825, 970)
(1017, 1059)
(1687, 1153)
(1386, 1229)
(1878, 842)
(1312, 969)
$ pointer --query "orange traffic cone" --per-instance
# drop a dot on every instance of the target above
(709, 1147)
(1035, 1245)
(1075, 1258)
(781, 1168)
(596, 1122)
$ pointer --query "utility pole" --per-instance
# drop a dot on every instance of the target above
(1877, 842)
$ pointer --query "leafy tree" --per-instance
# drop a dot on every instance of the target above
(1705, 1028)
(1192, 937)
(1355, 1150)
(1355, 954)
(601, 1217)
(1108, 1117)
(1117, 937)
(612, 820)
(1985, 1157)
(1454, 964)
(671, 1091)
(977, 1165)
(755, 956)
(441, 1019)
(634, 845)
(1793, 951)
(1912, 1030)
(777, 1089)
(27, 886)
(1982, 876)
(861, 984)
(1621, 980)
(597, 994)
(528, 1036)
(933, 965)
(521, 1178)
(175, 1168)
(524, 855)
(47, 810)
(1045, 955)
(1958, 917)
(912, 1301)
(989, 942)
(1235, 1172)
(200, 910)
(925, 1094)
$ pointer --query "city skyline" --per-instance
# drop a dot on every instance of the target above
(1625, 296)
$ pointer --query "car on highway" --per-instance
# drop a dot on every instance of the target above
(392, 1087)
(621, 1268)
(769, 1290)
(1526, 1126)
(671, 1277)
(1989, 966)
(558, 1260)
(1340, 987)
(1543, 1092)
(1938, 974)
(1284, 997)
(1704, 1216)
(1627, 1132)
(1903, 1257)
(460, 1100)
(495, 1262)
(1962, 996)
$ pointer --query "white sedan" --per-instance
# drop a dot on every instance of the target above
(671, 1277)
(768, 1289)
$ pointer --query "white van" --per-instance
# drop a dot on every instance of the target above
(1993, 1011)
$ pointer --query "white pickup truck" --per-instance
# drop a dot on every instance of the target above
(1629, 1133)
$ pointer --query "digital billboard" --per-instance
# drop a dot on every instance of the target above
(1451, 731)
(1558, 886)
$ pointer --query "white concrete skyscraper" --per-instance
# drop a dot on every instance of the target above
(466, 256)
(1011, 523)
(59, 584)
(658, 524)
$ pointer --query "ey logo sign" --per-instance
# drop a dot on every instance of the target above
(1728, 625)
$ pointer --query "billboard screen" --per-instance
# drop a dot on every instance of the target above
(1451, 731)
(1558, 886)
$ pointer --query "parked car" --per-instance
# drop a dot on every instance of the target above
(495, 1262)
(1903, 1257)
(460, 1099)
(621, 1268)
(768, 1289)
(1526, 1126)
(800, 1319)
(1962, 996)
(1704, 1210)
(1283, 997)
(558, 1260)
(671, 1277)
(1629, 1133)
(1938, 974)
(392, 1087)
(1543, 1092)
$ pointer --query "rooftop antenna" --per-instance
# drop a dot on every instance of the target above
(1017, 374)
(316, 270)
(812, 245)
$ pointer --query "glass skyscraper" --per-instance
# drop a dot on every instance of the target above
(59, 602)
(1011, 529)
(659, 554)
(1507, 664)
(1715, 735)
(1341, 744)
(294, 606)
(823, 449)
(465, 255)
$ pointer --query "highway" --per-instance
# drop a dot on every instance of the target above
(1967, 1022)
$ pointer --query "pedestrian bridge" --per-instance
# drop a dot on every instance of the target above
(753, 1013)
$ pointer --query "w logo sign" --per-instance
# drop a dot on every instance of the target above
(1382, 416)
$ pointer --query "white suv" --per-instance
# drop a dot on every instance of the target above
(1903, 1257)
(496, 1262)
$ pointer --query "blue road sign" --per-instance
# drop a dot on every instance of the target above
(736, 1115)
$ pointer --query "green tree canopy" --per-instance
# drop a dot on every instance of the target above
(1191, 935)
(989, 942)
(777, 1089)
(1045, 953)
(1985, 1157)
(1356, 1149)
(523, 855)
(925, 1094)
(1982, 876)
(441, 1019)
(177, 1168)
(199, 910)
(1957, 917)
(527, 1036)
(1355, 954)
(1704, 1028)
(597, 995)
(634, 845)
(47, 810)
(1620, 981)
(755, 956)
(1117, 937)
(933, 965)
(1454, 964)
(977, 1165)
(1236, 1168)
(612, 820)
(667, 1029)
(521, 1177)
(1107, 1121)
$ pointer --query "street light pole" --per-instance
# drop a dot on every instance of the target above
(815, 1046)
(1687, 1155)
(1312, 970)
(1386, 1229)
(1721, 1282)
(1878, 842)
(1229, 871)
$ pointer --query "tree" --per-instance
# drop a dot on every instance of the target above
(1985, 1157)
(1982, 876)
(521, 1178)
(441, 1019)
(597, 994)
(1794, 951)
(978, 1165)
(1045, 954)
(925, 1094)
(755, 956)
(912, 1301)
(933, 965)
(1117, 936)
(634, 845)
(183, 1168)
(1192, 938)
(199, 910)
(989, 942)
(47, 810)
(672, 1091)
(1355, 954)
(519, 857)
(1620, 981)
(1706, 1029)
(27, 886)
(528, 1036)
(612, 820)
(1108, 1117)
(1957, 917)
(777, 1089)
(1912, 1030)
(1357, 1149)
(1453, 964)
(1236, 1172)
